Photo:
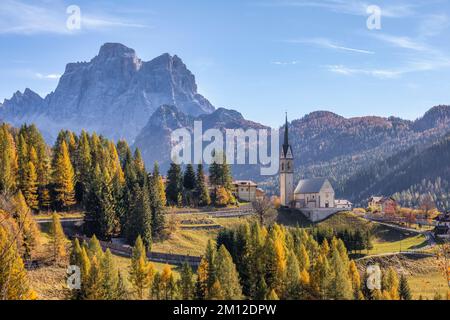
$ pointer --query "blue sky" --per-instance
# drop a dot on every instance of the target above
(261, 57)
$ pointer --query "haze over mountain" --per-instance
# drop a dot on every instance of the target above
(154, 139)
(114, 94)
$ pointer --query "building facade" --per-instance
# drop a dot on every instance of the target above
(245, 190)
(442, 229)
(314, 194)
(382, 204)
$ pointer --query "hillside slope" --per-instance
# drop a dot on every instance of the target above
(406, 170)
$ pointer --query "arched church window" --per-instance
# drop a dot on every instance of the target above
(282, 166)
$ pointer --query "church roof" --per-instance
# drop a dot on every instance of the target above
(310, 185)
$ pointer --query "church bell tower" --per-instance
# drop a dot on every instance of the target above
(286, 170)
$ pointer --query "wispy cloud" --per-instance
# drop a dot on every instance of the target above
(52, 76)
(93, 22)
(351, 7)
(285, 63)
(402, 42)
(21, 17)
(378, 73)
(326, 43)
(412, 66)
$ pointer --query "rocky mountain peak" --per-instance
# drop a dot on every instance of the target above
(114, 50)
(117, 56)
(436, 116)
(113, 94)
(28, 96)
(321, 114)
(168, 117)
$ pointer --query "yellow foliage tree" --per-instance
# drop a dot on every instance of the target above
(8, 161)
(216, 291)
(63, 176)
(391, 284)
(167, 283)
(222, 197)
(201, 286)
(27, 225)
(272, 295)
(57, 240)
(13, 276)
(30, 187)
(356, 281)
(162, 191)
(142, 272)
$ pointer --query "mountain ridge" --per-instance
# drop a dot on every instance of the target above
(113, 94)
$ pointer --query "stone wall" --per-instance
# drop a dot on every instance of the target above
(319, 214)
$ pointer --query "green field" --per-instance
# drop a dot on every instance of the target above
(193, 242)
(339, 221)
(62, 215)
(408, 243)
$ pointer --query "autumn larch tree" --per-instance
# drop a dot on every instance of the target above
(57, 239)
(141, 271)
(63, 177)
(8, 161)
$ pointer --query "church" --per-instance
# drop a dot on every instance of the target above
(315, 197)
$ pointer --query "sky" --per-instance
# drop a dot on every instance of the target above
(260, 57)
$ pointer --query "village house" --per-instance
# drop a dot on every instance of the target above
(374, 202)
(343, 204)
(442, 229)
(386, 205)
(247, 190)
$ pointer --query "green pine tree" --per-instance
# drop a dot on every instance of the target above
(227, 275)
(157, 203)
(404, 291)
(201, 189)
(340, 286)
(174, 186)
(109, 280)
(186, 282)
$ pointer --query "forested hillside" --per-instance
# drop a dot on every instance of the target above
(328, 145)
(409, 175)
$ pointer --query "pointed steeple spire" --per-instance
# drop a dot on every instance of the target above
(286, 133)
(286, 146)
